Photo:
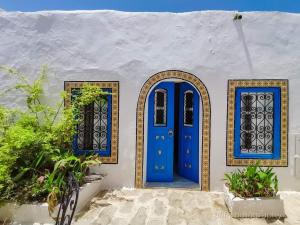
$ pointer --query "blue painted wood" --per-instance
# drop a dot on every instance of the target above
(276, 123)
(101, 152)
(188, 166)
(160, 144)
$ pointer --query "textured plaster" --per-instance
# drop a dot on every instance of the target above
(130, 47)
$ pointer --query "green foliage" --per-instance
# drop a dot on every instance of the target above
(87, 95)
(253, 181)
(35, 143)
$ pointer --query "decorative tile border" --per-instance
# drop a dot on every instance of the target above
(114, 85)
(232, 85)
(205, 124)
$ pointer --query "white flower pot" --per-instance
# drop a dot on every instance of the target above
(38, 213)
(254, 207)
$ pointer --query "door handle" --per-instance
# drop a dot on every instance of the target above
(170, 133)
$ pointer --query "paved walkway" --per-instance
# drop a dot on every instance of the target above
(173, 206)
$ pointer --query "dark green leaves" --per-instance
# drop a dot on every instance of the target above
(253, 181)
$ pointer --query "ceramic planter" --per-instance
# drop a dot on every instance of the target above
(254, 207)
(38, 213)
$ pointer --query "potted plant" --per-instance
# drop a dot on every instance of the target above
(253, 192)
(36, 150)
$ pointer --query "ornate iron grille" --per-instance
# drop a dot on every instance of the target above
(68, 202)
(256, 130)
(92, 128)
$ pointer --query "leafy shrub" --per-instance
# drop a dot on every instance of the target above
(35, 143)
(253, 181)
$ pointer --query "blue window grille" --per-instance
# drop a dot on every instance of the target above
(94, 128)
(257, 123)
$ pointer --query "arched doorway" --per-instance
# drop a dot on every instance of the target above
(205, 123)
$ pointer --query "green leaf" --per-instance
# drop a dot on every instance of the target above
(260, 186)
(21, 174)
(262, 175)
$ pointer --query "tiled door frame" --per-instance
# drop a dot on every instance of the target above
(206, 115)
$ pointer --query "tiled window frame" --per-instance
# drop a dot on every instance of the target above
(114, 86)
(282, 161)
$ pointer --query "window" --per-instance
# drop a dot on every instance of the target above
(97, 130)
(188, 108)
(257, 123)
(95, 125)
(257, 117)
(160, 107)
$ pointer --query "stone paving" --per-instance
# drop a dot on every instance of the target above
(173, 207)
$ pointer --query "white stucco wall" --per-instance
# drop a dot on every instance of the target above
(130, 47)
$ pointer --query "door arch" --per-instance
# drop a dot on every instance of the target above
(206, 116)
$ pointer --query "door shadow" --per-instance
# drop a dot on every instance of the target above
(178, 182)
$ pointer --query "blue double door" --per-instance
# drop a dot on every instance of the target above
(173, 132)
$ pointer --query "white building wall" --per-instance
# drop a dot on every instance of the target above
(130, 47)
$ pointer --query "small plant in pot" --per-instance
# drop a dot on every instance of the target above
(253, 192)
